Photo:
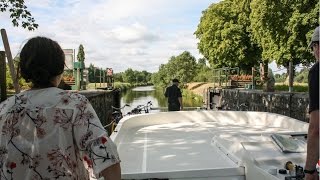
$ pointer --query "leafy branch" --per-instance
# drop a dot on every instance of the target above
(19, 14)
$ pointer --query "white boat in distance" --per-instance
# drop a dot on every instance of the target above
(203, 145)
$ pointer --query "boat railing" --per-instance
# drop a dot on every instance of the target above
(117, 114)
(141, 108)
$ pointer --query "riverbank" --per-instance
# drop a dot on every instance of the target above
(199, 88)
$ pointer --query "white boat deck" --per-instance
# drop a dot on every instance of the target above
(197, 144)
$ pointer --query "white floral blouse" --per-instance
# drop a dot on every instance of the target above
(52, 134)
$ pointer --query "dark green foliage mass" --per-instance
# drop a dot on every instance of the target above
(225, 36)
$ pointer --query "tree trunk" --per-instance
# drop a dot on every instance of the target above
(267, 84)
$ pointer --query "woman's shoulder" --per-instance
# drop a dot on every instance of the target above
(6, 104)
(17, 99)
(69, 98)
(52, 97)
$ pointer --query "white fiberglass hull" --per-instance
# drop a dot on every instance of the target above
(198, 145)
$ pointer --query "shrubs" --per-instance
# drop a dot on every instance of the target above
(296, 87)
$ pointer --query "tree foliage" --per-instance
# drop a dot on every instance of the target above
(81, 54)
(136, 77)
(243, 32)
(131, 76)
(280, 78)
(283, 29)
(225, 35)
(202, 63)
(19, 13)
(9, 82)
(203, 72)
(95, 74)
(302, 76)
(118, 77)
(92, 73)
(182, 67)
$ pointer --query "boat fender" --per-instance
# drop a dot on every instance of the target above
(282, 171)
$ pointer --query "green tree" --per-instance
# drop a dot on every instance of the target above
(19, 13)
(94, 74)
(302, 76)
(81, 54)
(91, 73)
(202, 62)
(280, 78)
(204, 72)
(81, 58)
(283, 29)
(225, 35)
(182, 67)
(147, 76)
(129, 76)
(9, 82)
(161, 78)
(118, 77)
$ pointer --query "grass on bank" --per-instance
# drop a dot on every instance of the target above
(285, 88)
(297, 87)
(190, 95)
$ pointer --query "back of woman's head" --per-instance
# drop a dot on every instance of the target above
(41, 60)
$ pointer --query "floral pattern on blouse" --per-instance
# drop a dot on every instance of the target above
(52, 134)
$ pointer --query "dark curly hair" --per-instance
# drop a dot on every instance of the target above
(41, 60)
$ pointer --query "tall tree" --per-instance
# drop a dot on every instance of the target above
(161, 78)
(81, 58)
(19, 13)
(283, 29)
(204, 73)
(91, 73)
(182, 67)
(81, 55)
(202, 62)
(118, 77)
(225, 35)
(129, 76)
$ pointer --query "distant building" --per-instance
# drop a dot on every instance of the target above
(70, 58)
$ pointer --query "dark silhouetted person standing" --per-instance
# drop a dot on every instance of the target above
(173, 93)
(313, 131)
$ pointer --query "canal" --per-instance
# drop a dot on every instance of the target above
(142, 95)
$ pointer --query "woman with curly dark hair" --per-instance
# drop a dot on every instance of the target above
(49, 133)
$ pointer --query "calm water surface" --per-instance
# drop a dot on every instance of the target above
(141, 95)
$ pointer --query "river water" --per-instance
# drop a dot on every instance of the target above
(142, 95)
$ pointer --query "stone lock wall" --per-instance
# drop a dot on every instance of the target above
(101, 102)
(294, 105)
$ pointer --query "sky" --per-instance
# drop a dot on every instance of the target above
(119, 34)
